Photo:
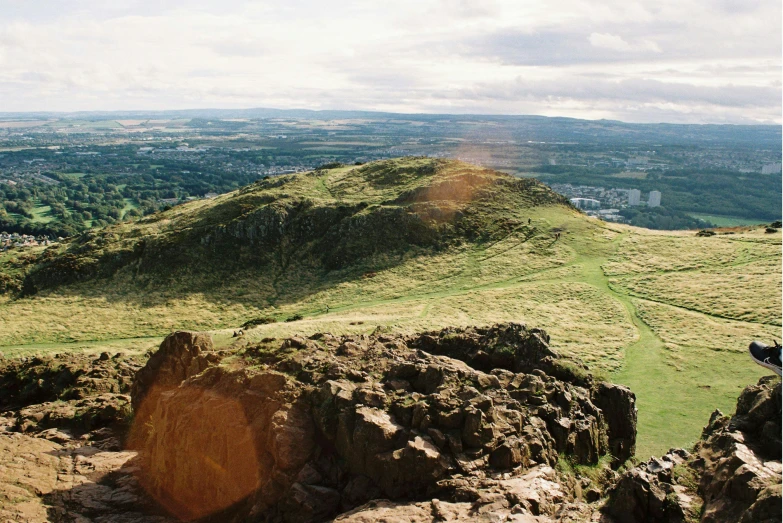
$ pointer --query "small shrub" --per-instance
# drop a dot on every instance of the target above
(295, 317)
(685, 476)
(258, 321)
(330, 165)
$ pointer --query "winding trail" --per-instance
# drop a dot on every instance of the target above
(644, 371)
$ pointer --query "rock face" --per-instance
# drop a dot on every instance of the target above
(319, 426)
(732, 475)
(614, 401)
(739, 459)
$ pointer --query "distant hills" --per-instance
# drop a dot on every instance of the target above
(535, 128)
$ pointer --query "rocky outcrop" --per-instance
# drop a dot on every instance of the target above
(368, 428)
(660, 490)
(732, 475)
(78, 416)
(180, 356)
(513, 347)
(537, 492)
(61, 430)
(618, 405)
(55, 477)
(739, 458)
(319, 426)
(34, 380)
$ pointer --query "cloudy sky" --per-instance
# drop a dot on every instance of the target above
(697, 61)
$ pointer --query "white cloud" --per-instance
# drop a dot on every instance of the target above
(609, 41)
(622, 59)
(617, 43)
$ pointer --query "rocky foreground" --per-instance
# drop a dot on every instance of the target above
(457, 425)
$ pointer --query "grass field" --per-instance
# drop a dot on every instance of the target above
(42, 213)
(129, 206)
(667, 313)
(725, 221)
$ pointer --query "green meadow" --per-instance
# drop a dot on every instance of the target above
(669, 314)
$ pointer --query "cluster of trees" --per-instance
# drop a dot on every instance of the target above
(661, 218)
(103, 189)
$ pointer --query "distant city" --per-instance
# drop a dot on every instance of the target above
(604, 203)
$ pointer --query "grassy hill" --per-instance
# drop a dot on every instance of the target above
(411, 244)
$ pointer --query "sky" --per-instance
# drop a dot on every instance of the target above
(680, 61)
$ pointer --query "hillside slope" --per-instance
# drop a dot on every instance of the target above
(409, 245)
(319, 222)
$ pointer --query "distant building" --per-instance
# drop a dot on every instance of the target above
(210, 195)
(634, 197)
(655, 199)
(585, 203)
(771, 168)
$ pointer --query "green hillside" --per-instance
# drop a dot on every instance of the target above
(411, 244)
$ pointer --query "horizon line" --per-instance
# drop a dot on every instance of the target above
(96, 112)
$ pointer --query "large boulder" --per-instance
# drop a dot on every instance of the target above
(181, 355)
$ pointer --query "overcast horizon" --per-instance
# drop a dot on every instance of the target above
(704, 62)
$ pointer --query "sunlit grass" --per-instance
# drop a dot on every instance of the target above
(668, 313)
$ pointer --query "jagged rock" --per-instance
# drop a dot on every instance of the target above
(639, 495)
(509, 346)
(80, 415)
(618, 405)
(179, 357)
(535, 497)
(329, 423)
(32, 381)
(740, 456)
(766, 507)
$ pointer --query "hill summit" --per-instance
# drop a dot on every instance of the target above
(320, 221)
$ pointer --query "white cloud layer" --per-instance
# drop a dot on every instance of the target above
(668, 60)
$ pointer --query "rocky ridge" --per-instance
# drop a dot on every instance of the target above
(477, 424)
(320, 426)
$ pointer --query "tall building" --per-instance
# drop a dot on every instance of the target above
(585, 203)
(655, 199)
(634, 197)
